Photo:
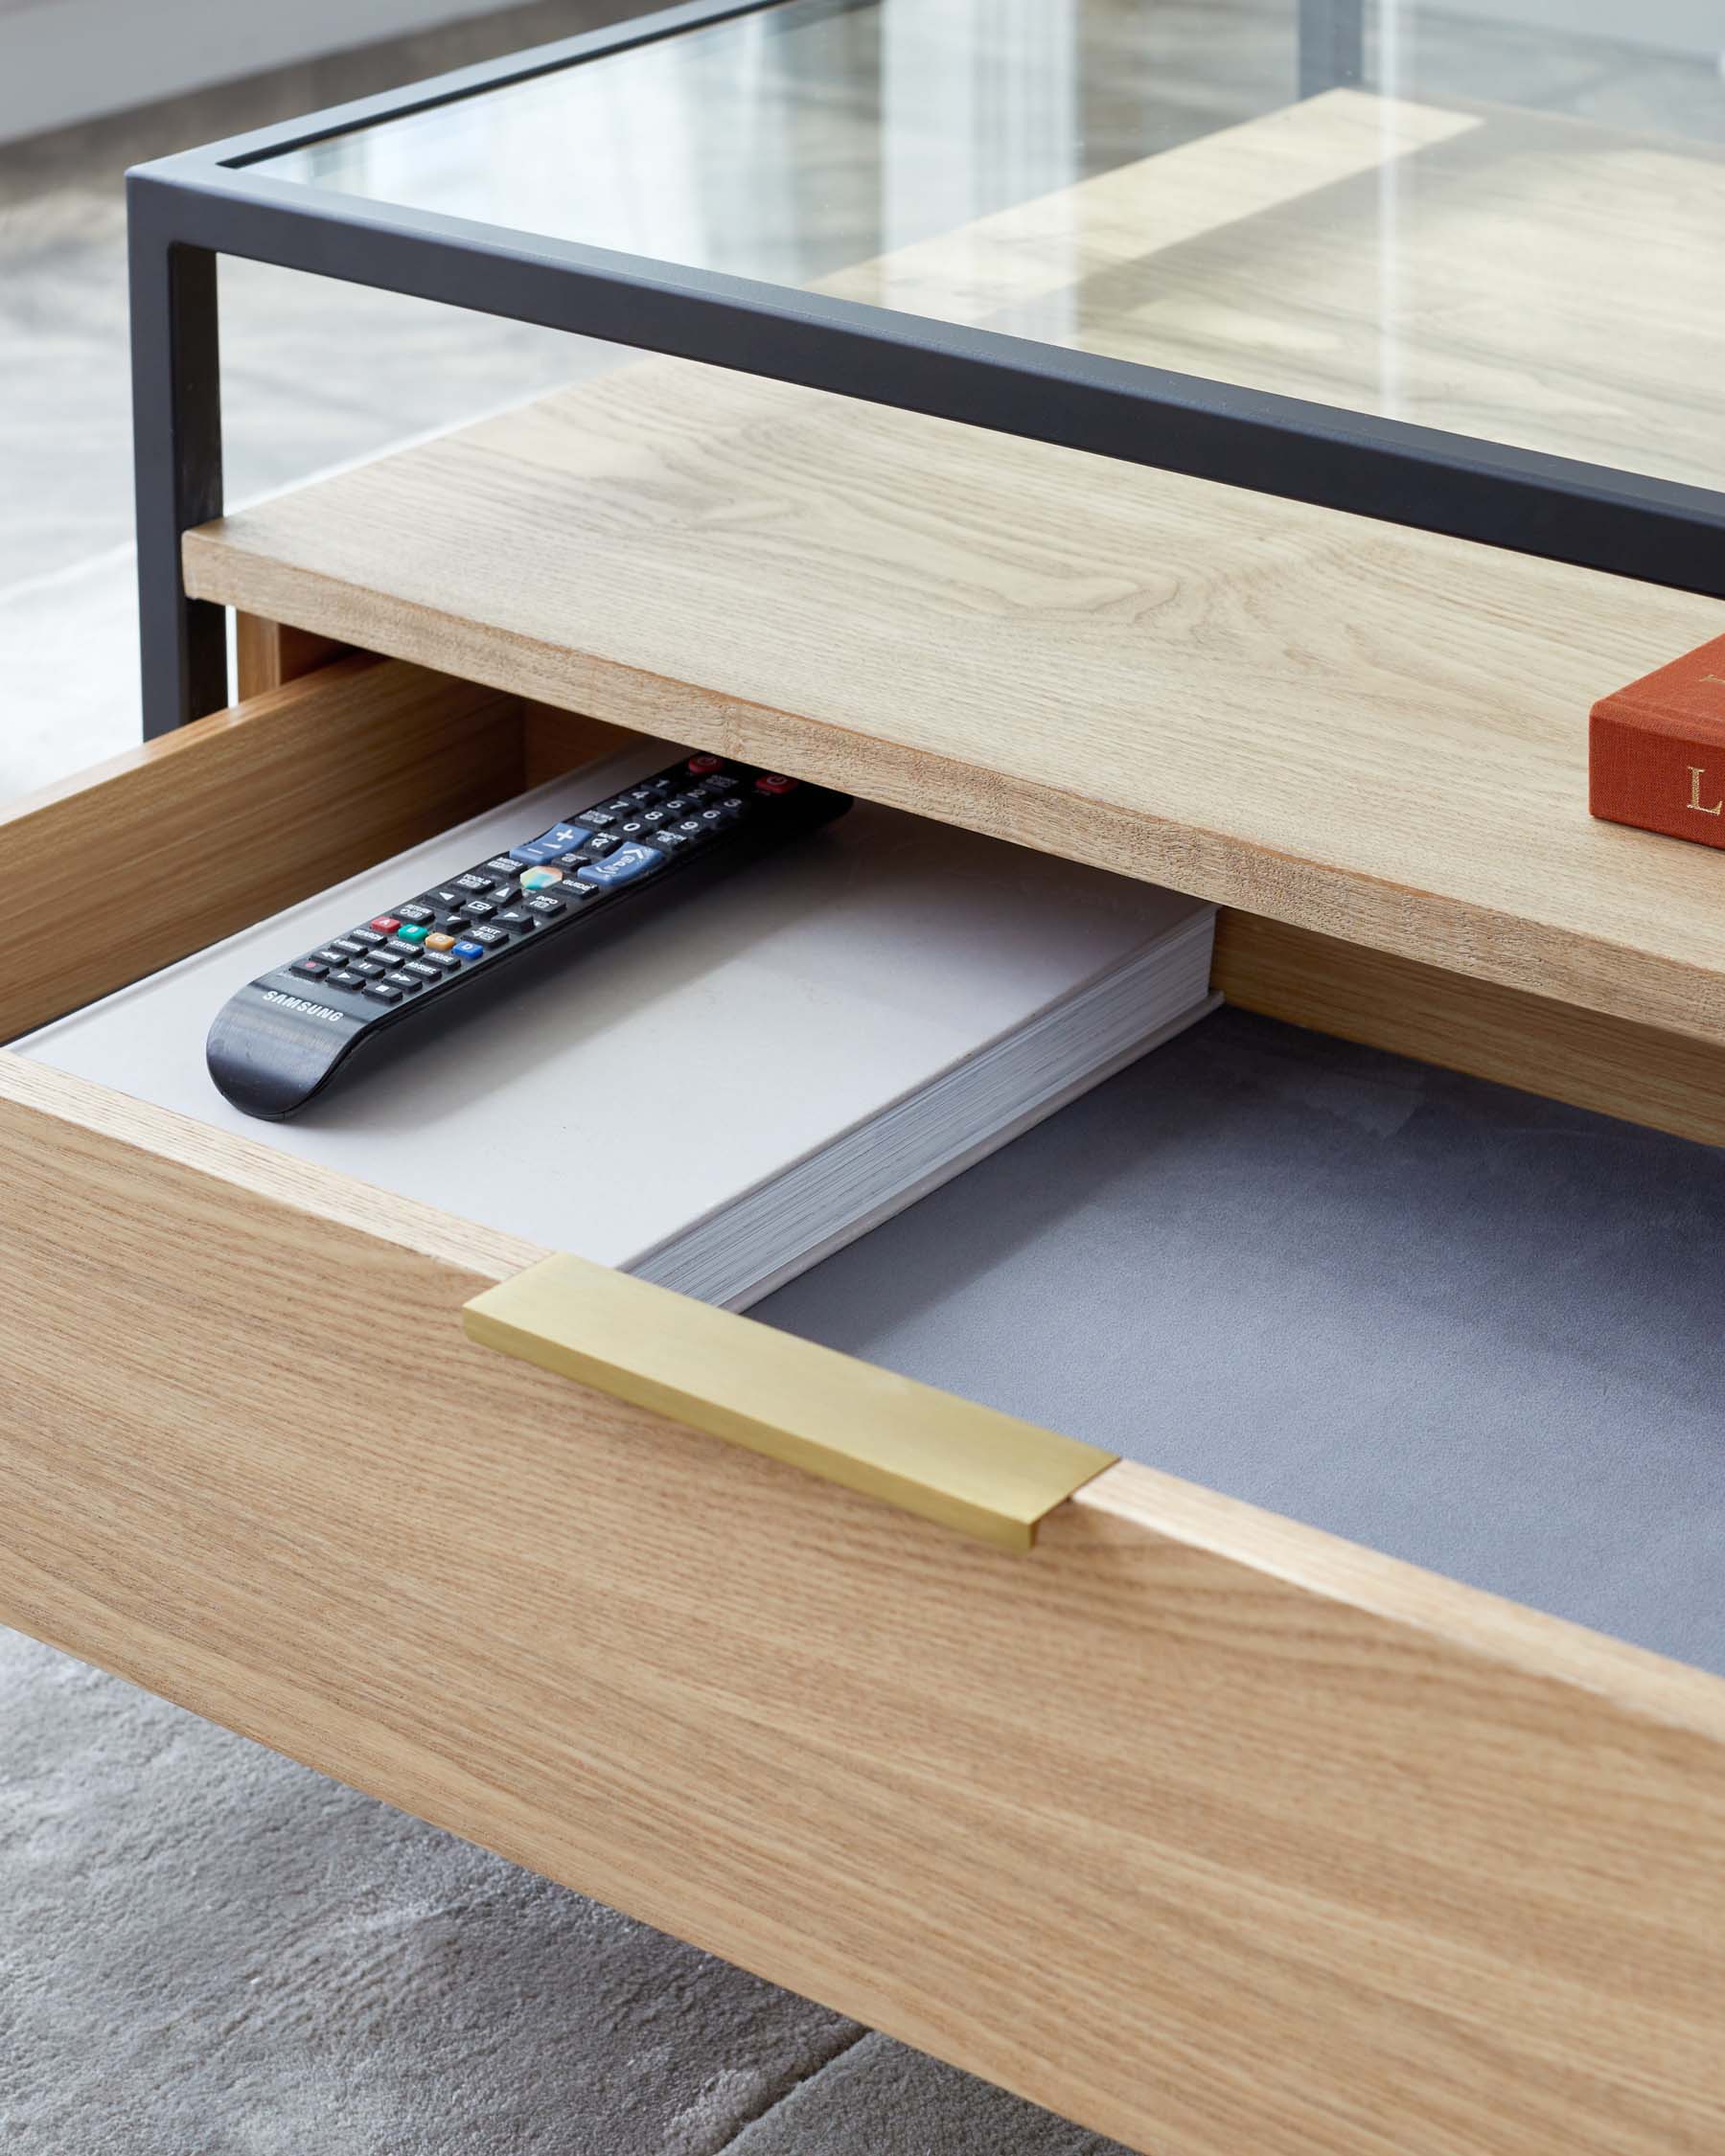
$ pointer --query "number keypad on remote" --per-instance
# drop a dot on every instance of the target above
(417, 952)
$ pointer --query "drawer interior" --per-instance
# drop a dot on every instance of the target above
(1465, 1325)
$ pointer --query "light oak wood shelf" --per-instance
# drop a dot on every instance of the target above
(1348, 727)
(1371, 732)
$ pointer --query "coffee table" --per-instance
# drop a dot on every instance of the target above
(1205, 1828)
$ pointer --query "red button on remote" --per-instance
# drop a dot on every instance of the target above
(775, 782)
(701, 766)
(386, 923)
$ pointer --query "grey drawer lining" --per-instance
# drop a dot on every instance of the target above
(1473, 1328)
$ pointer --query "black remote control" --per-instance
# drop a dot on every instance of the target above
(282, 1037)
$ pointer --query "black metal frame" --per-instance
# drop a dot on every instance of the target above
(185, 210)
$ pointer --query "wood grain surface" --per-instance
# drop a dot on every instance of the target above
(223, 821)
(1212, 1832)
(267, 654)
(1614, 1065)
(1371, 732)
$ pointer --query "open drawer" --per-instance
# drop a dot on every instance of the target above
(1201, 1826)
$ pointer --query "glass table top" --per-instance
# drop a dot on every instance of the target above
(1503, 228)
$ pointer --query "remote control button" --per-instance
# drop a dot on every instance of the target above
(557, 840)
(331, 955)
(437, 961)
(720, 783)
(541, 879)
(312, 969)
(599, 820)
(489, 937)
(350, 947)
(701, 766)
(403, 978)
(343, 979)
(440, 943)
(712, 818)
(395, 951)
(447, 895)
(671, 841)
(367, 968)
(386, 923)
(652, 817)
(621, 868)
(421, 971)
(515, 917)
(471, 885)
(412, 931)
(543, 905)
(478, 909)
(382, 991)
(466, 949)
(606, 841)
(692, 827)
(775, 782)
(501, 865)
(365, 938)
(422, 916)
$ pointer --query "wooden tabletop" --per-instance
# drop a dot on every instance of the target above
(1374, 732)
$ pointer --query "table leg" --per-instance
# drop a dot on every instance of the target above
(176, 452)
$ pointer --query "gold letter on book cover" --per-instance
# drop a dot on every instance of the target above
(1696, 773)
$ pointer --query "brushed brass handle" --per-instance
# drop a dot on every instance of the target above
(986, 1473)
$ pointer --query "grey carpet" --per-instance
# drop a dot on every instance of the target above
(206, 1950)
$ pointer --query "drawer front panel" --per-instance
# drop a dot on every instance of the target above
(1194, 1824)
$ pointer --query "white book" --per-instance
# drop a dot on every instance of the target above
(719, 1097)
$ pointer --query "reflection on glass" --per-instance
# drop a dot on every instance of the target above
(1510, 229)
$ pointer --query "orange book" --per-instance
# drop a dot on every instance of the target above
(1656, 749)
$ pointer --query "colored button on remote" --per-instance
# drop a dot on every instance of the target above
(540, 878)
(411, 931)
(466, 949)
(440, 943)
(775, 782)
(621, 867)
(386, 923)
(701, 766)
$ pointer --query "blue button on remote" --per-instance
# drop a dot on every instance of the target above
(621, 867)
(466, 949)
(550, 843)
